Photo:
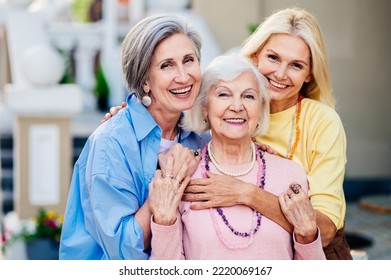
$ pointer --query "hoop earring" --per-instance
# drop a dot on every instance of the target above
(146, 100)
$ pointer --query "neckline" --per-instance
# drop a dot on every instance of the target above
(256, 216)
(224, 171)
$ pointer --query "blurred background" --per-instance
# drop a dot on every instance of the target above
(60, 72)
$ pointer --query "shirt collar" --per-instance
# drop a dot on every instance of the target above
(143, 121)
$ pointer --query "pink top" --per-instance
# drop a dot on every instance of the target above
(202, 234)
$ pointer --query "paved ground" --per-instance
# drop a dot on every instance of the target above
(373, 226)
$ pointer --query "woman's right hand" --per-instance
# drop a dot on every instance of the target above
(112, 112)
(182, 155)
(267, 149)
(165, 193)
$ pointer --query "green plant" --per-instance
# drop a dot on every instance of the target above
(251, 27)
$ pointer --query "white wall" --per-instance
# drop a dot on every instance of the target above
(358, 38)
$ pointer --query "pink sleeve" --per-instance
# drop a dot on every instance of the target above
(310, 251)
(166, 241)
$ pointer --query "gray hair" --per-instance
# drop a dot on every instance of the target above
(139, 45)
(226, 68)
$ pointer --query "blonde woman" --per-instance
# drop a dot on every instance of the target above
(288, 49)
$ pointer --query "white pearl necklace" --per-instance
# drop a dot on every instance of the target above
(219, 168)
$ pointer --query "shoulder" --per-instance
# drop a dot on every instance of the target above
(283, 171)
(283, 163)
(195, 140)
(314, 107)
(319, 115)
(113, 130)
(109, 140)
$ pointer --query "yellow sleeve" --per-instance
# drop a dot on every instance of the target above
(326, 154)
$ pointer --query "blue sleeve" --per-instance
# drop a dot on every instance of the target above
(112, 219)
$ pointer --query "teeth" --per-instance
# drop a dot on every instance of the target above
(277, 84)
(180, 91)
(234, 120)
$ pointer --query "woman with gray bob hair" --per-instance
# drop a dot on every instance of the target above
(139, 45)
(226, 68)
(107, 214)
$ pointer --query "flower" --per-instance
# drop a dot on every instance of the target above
(45, 224)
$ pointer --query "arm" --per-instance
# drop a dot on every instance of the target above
(143, 217)
(112, 217)
(167, 241)
(326, 165)
(222, 190)
(268, 204)
(297, 208)
(164, 197)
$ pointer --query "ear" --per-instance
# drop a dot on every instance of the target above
(254, 59)
(308, 78)
(146, 88)
(204, 112)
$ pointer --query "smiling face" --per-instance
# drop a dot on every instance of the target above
(285, 61)
(233, 109)
(174, 76)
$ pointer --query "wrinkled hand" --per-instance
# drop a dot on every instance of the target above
(165, 192)
(214, 191)
(297, 208)
(112, 112)
(182, 155)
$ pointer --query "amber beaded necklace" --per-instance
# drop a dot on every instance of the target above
(295, 127)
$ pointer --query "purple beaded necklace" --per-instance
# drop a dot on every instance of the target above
(257, 223)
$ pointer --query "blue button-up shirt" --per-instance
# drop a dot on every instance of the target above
(110, 183)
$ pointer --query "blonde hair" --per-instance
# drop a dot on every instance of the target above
(226, 68)
(300, 23)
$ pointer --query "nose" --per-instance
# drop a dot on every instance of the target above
(280, 72)
(181, 76)
(237, 105)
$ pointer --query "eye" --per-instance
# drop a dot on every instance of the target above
(249, 96)
(188, 60)
(272, 57)
(297, 66)
(222, 94)
(165, 65)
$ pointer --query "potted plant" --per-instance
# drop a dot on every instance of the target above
(41, 234)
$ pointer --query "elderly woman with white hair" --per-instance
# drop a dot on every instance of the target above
(234, 105)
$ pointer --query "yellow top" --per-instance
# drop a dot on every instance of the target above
(321, 151)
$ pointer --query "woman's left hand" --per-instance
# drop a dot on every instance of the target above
(165, 193)
(297, 208)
